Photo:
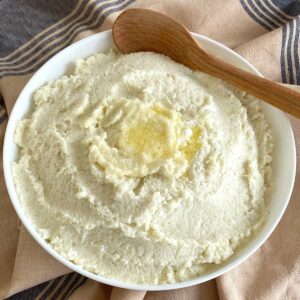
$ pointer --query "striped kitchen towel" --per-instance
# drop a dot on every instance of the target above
(265, 32)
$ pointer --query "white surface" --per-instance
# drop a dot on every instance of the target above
(284, 166)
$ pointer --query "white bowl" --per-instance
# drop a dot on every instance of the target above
(284, 166)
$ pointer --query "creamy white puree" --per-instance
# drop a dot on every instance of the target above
(139, 169)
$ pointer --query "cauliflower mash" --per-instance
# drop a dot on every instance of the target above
(139, 169)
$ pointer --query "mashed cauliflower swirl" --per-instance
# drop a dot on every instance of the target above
(139, 169)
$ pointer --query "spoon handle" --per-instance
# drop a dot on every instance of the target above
(271, 92)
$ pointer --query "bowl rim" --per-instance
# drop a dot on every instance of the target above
(73, 267)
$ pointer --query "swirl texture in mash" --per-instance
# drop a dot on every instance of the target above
(141, 170)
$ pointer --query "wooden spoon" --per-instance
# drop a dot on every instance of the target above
(146, 30)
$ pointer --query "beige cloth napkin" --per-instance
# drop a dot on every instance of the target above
(265, 33)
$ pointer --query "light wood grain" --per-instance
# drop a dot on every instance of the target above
(145, 30)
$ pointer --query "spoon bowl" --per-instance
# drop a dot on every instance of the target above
(135, 30)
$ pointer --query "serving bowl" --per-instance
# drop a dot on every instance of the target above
(283, 169)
